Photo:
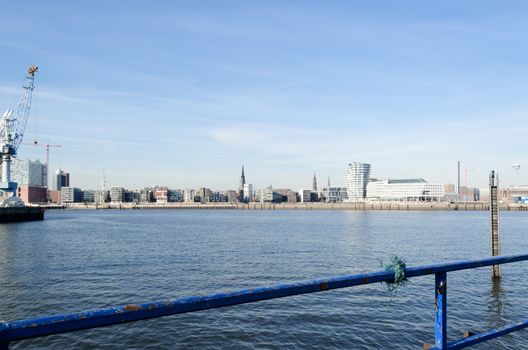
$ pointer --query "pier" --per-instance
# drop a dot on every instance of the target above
(360, 206)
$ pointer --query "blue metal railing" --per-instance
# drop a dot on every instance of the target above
(39, 327)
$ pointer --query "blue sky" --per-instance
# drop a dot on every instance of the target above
(183, 93)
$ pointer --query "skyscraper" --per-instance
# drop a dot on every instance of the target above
(62, 179)
(356, 180)
(314, 183)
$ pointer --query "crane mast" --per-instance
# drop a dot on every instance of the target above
(12, 129)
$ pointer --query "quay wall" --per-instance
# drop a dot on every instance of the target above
(300, 206)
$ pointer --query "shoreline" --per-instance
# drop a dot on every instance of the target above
(360, 206)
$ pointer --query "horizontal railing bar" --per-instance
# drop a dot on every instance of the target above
(482, 337)
(43, 326)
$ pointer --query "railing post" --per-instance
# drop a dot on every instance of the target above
(441, 310)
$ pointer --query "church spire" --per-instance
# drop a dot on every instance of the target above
(242, 178)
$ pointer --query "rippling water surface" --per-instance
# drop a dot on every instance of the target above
(83, 260)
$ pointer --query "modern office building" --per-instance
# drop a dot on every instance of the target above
(334, 194)
(62, 179)
(70, 194)
(101, 196)
(356, 180)
(288, 195)
(27, 172)
(188, 195)
(88, 196)
(305, 196)
(146, 195)
(414, 190)
(268, 195)
(175, 196)
(117, 194)
(248, 193)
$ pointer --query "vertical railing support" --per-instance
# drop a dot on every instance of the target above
(441, 310)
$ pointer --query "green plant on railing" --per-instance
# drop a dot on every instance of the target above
(396, 265)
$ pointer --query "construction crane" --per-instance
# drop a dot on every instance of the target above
(12, 129)
(47, 145)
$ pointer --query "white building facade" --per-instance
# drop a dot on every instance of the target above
(356, 179)
(248, 193)
(29, 172)
(334, 194)
(412, 190)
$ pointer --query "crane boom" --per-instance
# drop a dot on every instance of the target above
(12, 128)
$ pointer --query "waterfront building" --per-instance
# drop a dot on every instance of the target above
(101, 196)
(268, 195)
(514, 194)
(288, 195)
(32, 194)
(356, 180)
(248, 193)
(205, 194)
(161, 194)
(62, 179)
(175, 196)
(218, 197)
(88, 196)
(70, 194)
(305, 196)
(54, 196)
(231, 196)
(29, 172)
(415, 190)
(117, 194)
(188, 195)
(146, 195)
(334, 194)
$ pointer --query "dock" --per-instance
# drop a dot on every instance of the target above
(18, 214)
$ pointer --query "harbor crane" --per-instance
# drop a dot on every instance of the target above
(12, 128)
(47, 145)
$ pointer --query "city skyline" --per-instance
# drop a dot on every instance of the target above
(184, 94)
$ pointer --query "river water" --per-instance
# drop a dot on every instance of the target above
(84, 260)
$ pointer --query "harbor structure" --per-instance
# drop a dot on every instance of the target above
(356, 179)
(413, 190)
(494, 220)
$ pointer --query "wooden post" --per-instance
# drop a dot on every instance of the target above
(494, 221)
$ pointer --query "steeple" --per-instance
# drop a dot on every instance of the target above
(242, 179)
(314, 184)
